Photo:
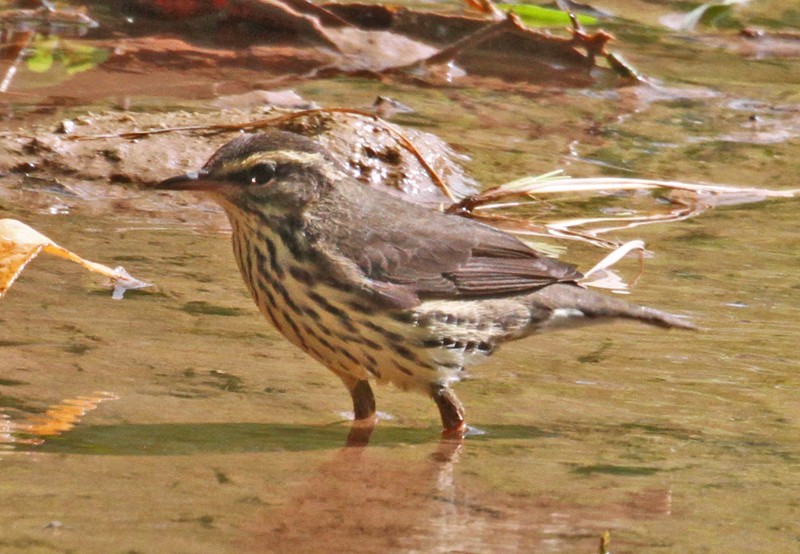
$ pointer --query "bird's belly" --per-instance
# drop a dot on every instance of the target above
(323, 323)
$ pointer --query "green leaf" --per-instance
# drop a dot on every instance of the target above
(41, 61)
(74, 57)
(42, 58)
(537, 16)
(80, 57)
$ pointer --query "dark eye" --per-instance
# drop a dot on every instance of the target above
(261, 174)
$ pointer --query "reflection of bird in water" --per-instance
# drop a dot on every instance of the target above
(373, 500)
(376, 287)
(427, 498)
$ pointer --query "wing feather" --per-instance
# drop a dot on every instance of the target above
(407, 253)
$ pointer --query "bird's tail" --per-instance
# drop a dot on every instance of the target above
(593, 305)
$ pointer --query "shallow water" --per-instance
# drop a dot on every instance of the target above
(204, 431)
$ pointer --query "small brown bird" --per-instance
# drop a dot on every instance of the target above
(375, 287)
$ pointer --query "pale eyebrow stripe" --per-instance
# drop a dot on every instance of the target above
(275, 156)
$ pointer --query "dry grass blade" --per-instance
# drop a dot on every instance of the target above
(601, 275)
(556, 182)
(686, 200)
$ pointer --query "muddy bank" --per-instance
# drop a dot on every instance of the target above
(101, 161)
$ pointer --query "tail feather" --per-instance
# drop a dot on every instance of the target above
(594, 305)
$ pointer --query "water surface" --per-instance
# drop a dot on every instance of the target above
(209, 433)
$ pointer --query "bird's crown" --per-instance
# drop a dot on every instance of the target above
(256, 158)
(274, 164)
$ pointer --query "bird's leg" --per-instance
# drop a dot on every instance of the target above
(363, 410)
(450, 409)
(363, 399)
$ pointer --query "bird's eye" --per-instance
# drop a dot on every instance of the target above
(262, 173)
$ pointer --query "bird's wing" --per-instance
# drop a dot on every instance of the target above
(407, 253)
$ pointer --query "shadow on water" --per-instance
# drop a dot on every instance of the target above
(204, 438)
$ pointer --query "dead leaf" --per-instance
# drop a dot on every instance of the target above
(19, 244)
(56, 420)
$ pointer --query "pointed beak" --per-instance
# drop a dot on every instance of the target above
(194, 180)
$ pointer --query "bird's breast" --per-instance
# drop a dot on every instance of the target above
(332, 320)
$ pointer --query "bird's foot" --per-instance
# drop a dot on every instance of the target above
(456, 431)
(361, 431)
(450, 410)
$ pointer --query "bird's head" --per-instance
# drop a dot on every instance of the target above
(277, 168)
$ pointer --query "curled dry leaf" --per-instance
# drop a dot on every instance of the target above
(20, 243)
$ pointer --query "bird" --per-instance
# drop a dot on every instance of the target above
(378, 288)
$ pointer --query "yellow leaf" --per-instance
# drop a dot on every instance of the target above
(19, 244)
(58, 419)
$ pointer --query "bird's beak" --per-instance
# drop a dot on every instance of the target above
(194, 180)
